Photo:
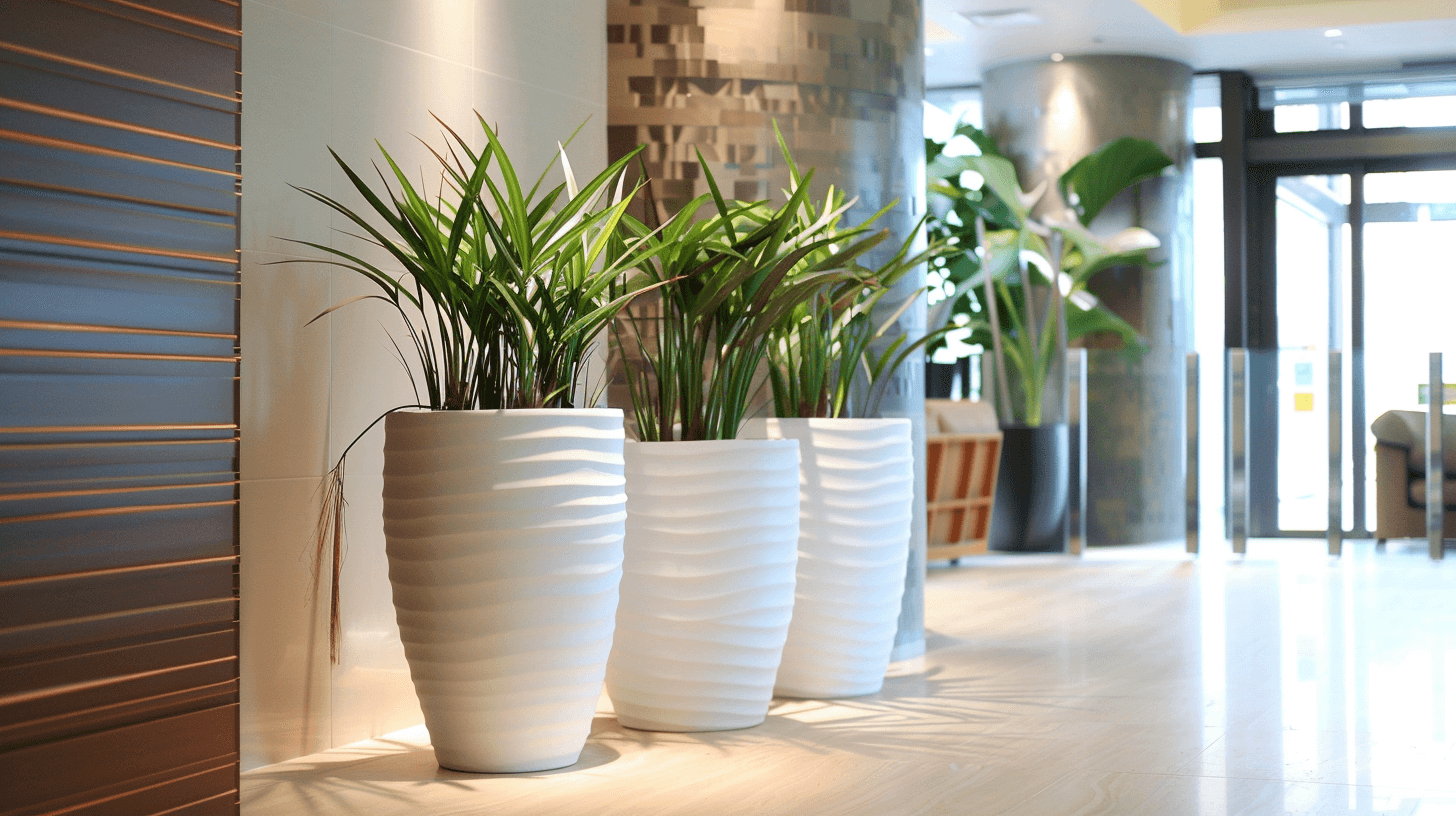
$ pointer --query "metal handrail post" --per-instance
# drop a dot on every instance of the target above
(1190, 468)
(1237, 447)
(1435, 460)
(1077, 406)
(1335, 532)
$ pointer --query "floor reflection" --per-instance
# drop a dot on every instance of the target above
(1132, 681)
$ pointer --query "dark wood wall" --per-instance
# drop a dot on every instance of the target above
(119, 175)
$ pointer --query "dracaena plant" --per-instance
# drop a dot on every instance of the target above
(823, 347)
(724, 281)
(500, 290)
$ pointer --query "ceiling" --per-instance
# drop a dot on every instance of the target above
(1264, 37)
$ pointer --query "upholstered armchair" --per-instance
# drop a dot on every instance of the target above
(1400, 474)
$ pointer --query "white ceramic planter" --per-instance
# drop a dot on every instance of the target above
(504, 534)
(707, 583)
(856, 491)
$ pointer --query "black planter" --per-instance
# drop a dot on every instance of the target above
(940, 378)
(1030, 513)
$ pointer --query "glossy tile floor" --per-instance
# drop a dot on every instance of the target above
(1135, 681)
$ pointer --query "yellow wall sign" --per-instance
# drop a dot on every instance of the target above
(1304, 401)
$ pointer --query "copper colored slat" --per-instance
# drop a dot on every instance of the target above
(121, 444)
(154, 26)
(82, 147)
(180, 18)
(112, 511)
(105, 69)
(56, 188)
(203, 426)
(101, 683)
(178, 793)
(116, 355)
(85, 327)
(38, 774)
(80, 242)
(188, 562)
(114, 124)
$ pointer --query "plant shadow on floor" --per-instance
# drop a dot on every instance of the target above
(375, 768)
(919, 716)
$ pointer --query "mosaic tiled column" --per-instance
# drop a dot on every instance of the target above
(843, 80)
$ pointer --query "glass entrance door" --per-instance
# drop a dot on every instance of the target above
(1365, 266)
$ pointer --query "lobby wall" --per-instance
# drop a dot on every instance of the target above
(341, 74)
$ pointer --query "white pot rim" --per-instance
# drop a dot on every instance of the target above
(544, 412)
(842, 422)
(689, 447)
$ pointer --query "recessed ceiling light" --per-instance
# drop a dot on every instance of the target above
(1334, 32)
(1057, 57)
(930, 52)
(1002, 18)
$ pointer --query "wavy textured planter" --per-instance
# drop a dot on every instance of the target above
(504, 534)
(856, 490)
(707, 584)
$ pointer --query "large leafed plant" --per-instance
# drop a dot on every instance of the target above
(1019, 283)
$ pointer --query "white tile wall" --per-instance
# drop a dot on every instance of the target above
(343, 73)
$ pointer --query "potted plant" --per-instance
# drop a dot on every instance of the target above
(856, 477)
(713, 520)
(504, 505)
(1020, 288)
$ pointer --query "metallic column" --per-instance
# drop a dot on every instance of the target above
(1435, 460)
(1046, 115)
(1077, 436)
(1190, 467)
(843, 81)
(1335, 531)
(1238, 449)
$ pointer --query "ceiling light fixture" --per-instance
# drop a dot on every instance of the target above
(1057, 58)
(1002, 18)
(1334, 32)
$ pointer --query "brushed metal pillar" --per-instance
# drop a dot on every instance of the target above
(1238, 449)
(1335, 529)
(1046, 115)
(1190, 467)
(845, 84)
(1435, 460)
(1077, 436)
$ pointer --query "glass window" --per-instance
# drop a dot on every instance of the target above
(1429, 111)
(1304, 118)
(953, 105)
(1207, 118)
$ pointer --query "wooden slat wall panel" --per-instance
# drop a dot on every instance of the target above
(119, 178)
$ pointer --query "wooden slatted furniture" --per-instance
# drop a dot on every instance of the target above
(962, 457)
(960, 484)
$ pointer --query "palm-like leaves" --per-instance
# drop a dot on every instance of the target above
(725, 281)
(501, 290)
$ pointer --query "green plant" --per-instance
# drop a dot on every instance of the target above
(1002, 293)
(502, 291)
(823, 346)
(725, 281)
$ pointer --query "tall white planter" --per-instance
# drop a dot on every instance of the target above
(504, 534)
(707, 585)
(856, 491)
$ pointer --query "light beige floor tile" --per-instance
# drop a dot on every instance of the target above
(1127, 685)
